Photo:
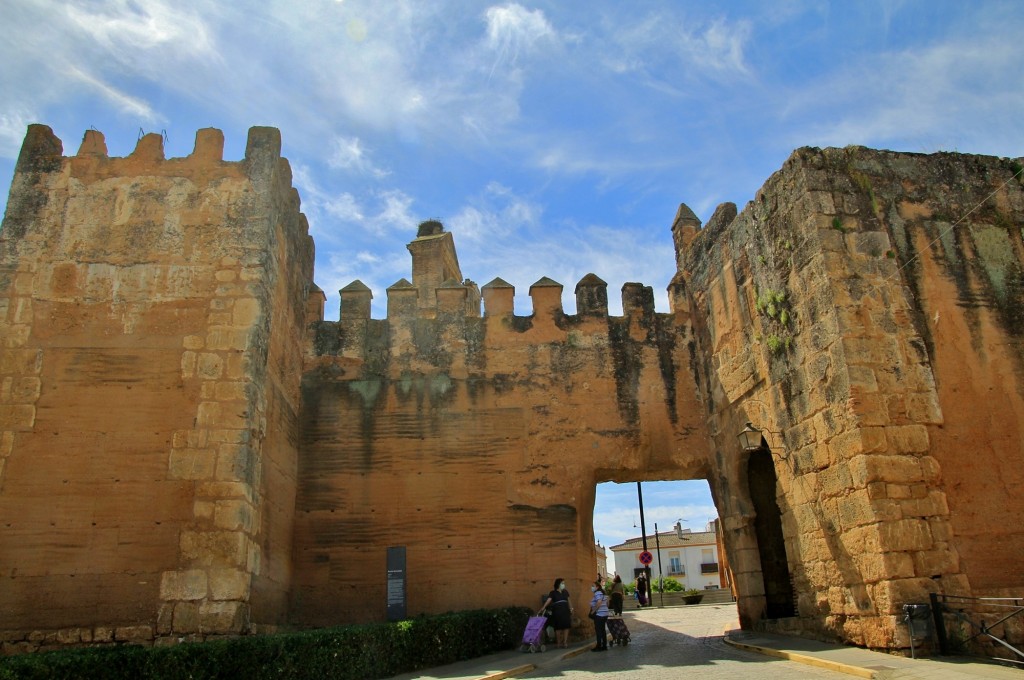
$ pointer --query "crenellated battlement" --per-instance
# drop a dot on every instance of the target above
(42, 151)
(497, 297)
(437, 289)
(441, 324)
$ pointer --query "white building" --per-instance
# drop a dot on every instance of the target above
(689, 557)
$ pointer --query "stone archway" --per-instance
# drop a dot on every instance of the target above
(771, 544)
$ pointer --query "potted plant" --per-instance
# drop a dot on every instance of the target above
(692, 596)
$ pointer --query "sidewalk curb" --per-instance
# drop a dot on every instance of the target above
(518, 670)
(805, 659)
(530, 667)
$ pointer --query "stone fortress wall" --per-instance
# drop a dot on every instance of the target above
(881, 293)
(151, 313)
(477, 441)
(189, 449)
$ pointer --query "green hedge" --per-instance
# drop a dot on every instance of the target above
(363, 652)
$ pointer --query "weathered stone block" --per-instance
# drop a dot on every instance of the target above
(224, 490)
(863, 539)
(214, 548)
(204, 509)
(875, 467)
(186, 618)
(890, 595)
(223, 617)
(887, 565)
(192, 463)
(906, 534)
(234, 515)
(908, 438)
(67, 636)
(183, 585)
(188, 364)
(934, 503)
(230, 391)
(193, 342)
(898, 491)
(21, 361)
(936, 563)
(17, 417)
(924, 408)
(133, 633)
(209, 366)
(15, 335)
(6, 443)
(835, 480)
(871, 351)
(861, 440)
(220, 338)
(25, 389)
(856, 509)
(868, 410)
(229, 584)
(862, 379)
(165, 618)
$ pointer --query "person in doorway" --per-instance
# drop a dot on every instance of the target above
(599, 613)
(561, 612)
(641, 590)
(618, 595)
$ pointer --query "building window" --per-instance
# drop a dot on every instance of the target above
(674, 566)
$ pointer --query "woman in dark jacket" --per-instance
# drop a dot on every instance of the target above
(618, 595)
(561, 611)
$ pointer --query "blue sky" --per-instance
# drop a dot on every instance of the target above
(553, 138)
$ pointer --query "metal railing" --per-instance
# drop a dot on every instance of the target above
(988, 625)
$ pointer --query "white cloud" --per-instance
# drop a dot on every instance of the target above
(349, 154)
(127, 104)
(719, 47)
(914, 98)
(13, 125)
(513, 30)
(677, 49)
(343, 206)
(394, 213)
(124, 28)
(494, 215)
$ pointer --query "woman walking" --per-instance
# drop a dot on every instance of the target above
(599, 613)
(561, 612)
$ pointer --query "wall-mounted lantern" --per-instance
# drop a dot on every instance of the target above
(750, 438)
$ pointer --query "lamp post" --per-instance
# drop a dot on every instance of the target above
(661, 572)
(643, 533)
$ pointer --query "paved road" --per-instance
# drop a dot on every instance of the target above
(678, 642)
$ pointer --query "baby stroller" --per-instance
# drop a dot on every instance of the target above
(617, 629)
(533, 636)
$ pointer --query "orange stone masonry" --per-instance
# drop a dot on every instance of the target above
(188, 449)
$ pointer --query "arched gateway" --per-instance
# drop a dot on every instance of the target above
(188, 449)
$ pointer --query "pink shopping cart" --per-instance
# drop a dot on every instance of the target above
(533, 636)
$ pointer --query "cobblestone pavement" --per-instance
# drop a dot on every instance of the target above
(676, 642)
